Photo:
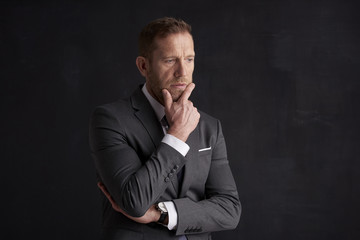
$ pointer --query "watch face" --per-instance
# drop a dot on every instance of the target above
(162, 207)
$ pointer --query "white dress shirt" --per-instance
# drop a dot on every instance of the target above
(172, 141)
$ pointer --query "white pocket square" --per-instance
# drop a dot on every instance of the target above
(204, 149)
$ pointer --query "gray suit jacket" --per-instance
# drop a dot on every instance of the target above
(139, 171)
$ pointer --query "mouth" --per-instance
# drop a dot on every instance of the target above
(178, 85)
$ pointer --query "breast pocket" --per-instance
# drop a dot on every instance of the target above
(204, 162)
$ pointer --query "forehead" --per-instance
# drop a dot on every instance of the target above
(174, 43)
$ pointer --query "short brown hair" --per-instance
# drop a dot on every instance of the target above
(161, 27)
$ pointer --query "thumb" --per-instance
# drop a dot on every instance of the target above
(167, 99)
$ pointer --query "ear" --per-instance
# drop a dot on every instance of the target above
(142, 65)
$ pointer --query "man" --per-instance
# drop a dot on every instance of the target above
(161, 163)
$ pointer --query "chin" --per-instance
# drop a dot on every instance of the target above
(176, 95)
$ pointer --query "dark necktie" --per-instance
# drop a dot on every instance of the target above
(165, 123)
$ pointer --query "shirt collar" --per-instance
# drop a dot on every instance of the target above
(158, 108)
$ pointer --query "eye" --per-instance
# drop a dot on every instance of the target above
(190, 59)
(169, 61)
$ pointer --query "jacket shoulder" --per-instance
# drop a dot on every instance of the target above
(117, 108)
(208, 121)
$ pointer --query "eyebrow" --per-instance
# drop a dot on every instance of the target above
(190, 55)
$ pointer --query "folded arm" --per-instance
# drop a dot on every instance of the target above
(135, 185)
(221, 208)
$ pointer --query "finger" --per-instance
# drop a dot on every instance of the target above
(111, 200)
(100, 185)
(187, 92)
(167, 99)
(104, 190)
(108, 196)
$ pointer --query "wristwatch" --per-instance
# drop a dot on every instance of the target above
(163, 211)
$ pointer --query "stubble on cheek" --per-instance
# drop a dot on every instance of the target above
(175, 93)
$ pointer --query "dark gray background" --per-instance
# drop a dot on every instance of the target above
(282, 76)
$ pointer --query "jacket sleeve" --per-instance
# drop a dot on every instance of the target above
(221, 208)
(134, 185)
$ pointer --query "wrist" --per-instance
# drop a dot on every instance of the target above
(183, 137)
(163, 214)
(166, 221)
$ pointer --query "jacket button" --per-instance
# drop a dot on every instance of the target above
(170, 175)
(167, 179)
(176, 167)
(173, 170)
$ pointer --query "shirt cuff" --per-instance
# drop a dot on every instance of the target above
(176, 143)
(172, 215)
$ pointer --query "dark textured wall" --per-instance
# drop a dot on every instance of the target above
(282, 76)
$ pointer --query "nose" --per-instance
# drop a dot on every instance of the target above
(180, 69)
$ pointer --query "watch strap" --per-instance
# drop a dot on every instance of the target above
(162, 217)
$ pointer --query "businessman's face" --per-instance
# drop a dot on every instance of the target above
(171, 65)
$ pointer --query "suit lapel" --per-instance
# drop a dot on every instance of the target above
(147, 116)
(191, 163)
